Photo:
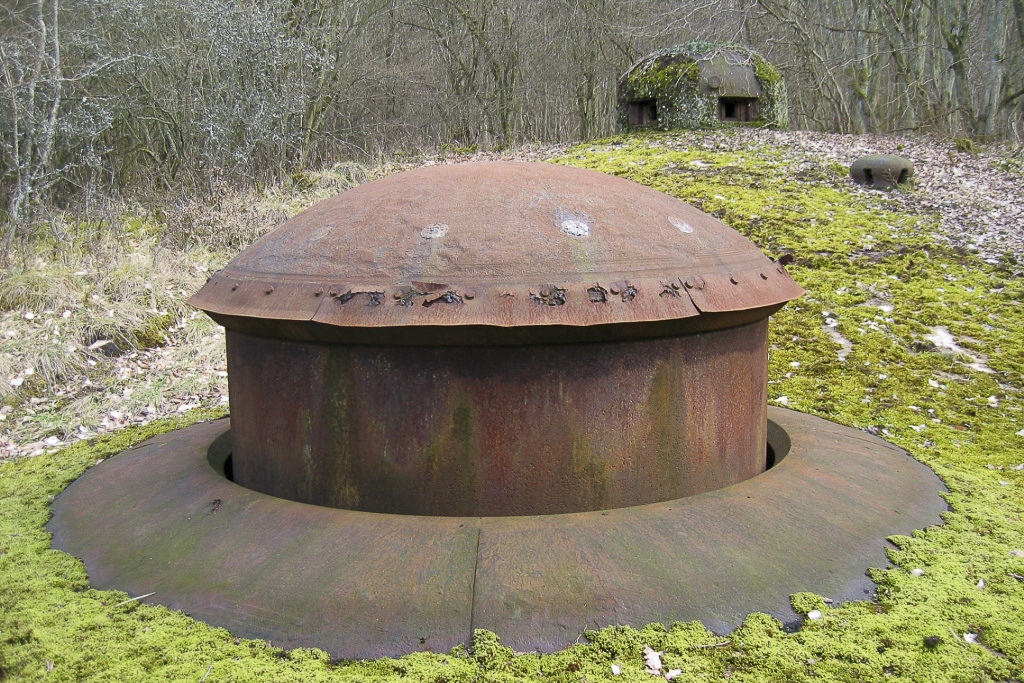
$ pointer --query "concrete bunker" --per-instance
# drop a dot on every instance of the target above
(702, 85)
(882, 171)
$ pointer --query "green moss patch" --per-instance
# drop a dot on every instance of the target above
(896, 335)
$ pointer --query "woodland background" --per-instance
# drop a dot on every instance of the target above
(104, 98)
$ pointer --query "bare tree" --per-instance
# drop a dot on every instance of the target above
(993, 61)
(48, 120)
(181, 93)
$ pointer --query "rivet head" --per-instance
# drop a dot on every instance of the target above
(614, 289)
(234, 287)
(469, 294)
(319, 292)
(688, 283)
(763, 276)
(269, 290)
(675, 284)
(397, 294)
(732, 279)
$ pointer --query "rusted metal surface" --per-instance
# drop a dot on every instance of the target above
(882, 170)
(491, 246)
(509, 430)
(365, 585)
(428, 344)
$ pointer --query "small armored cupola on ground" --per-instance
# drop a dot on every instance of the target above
(497, 339)
(701, 85)
(518, 397)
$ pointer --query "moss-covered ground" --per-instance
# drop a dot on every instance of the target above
(897, 335)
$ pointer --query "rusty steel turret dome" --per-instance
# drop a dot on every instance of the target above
(455, 339)
(510, 396)
(483, 246)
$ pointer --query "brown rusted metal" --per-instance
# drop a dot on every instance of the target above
(400, 254)
(497, 339)
(366, 585)
(481, 348)
(498, 430)
(544, 345)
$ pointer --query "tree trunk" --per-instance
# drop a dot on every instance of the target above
(997, 34)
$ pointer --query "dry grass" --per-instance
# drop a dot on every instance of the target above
(230, 220)
(41, 287)
(95, 333)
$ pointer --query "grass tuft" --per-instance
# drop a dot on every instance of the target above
(41, 287)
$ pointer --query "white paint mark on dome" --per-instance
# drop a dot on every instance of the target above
(577, 225)
(434, 231)
(575, 228)
(681, 224)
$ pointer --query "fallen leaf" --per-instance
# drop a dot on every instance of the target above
(616, 670)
